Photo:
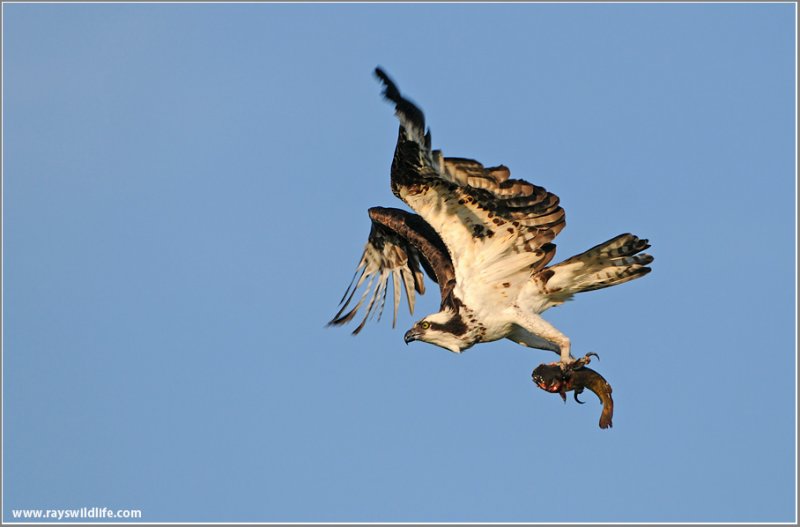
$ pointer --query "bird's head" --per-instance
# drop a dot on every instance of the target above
(445, 329)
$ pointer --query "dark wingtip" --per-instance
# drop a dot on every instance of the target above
(410, 115)
(390, 90)
(382, 75)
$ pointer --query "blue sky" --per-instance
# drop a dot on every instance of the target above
(185, 196)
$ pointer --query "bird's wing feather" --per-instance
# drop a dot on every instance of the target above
(398, 243)
(480, 213)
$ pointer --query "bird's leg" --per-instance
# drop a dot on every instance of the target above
(536, 332)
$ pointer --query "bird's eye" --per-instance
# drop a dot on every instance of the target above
(425, 325)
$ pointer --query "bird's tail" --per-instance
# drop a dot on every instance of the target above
(616, 261)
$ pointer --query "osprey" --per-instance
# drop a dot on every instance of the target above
(487, 241)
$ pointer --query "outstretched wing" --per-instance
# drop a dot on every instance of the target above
(486, 219)
(398, 243)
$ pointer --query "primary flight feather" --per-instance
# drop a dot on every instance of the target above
(485, 238)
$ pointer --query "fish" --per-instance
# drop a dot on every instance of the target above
(550, 377)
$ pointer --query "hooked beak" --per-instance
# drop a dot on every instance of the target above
(410, 336)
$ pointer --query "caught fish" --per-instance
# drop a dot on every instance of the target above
(552, 378)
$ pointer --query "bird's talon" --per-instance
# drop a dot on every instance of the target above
(583, 361)
(575, 395)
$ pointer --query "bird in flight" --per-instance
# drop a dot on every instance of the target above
(486, 239)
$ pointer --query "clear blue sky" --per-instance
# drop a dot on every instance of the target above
(185, 196)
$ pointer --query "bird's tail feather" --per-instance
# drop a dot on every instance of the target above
(616, 261)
